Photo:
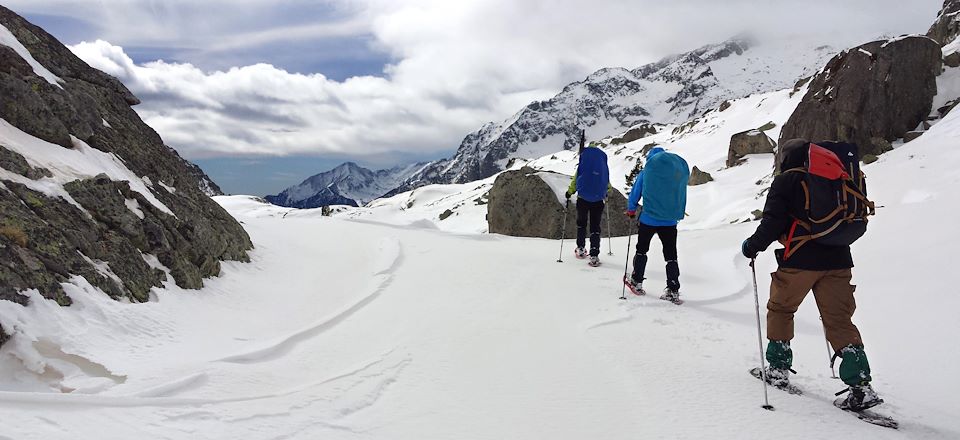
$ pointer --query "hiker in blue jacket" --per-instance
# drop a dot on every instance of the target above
(590, 183)
(662, 184)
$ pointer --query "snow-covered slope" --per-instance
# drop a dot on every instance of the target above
(347, 184)
(346, 330)
(671, 91)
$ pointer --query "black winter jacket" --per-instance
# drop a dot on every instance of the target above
(785, 202)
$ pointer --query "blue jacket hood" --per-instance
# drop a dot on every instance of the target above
(655, 151)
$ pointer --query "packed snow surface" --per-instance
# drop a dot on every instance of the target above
(8, 39)
(67, 165)
(344, 329)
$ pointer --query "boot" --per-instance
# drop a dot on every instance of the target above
(775, 376)
(580, 253)
(859, 398)
(636, 287)
(672, 296)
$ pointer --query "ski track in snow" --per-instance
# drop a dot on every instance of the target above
(389, 258)
(358, 377)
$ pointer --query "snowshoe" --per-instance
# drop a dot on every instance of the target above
(672, 296)
(635, 288)
(594, 261)
(779, 379)
(580, 253)
(859, 402)
(859, 398)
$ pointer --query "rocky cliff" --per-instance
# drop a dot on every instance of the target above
(87, 189)
(870, 95)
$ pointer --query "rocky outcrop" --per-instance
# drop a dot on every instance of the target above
(911, 136)
(124, 236)
(634, 134)
(699, 177)
(870, 94)
(523, 204)
(947, 27)
(952, 59)
(748, 142)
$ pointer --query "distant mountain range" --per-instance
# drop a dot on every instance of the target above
(347, 184)
(675, 89)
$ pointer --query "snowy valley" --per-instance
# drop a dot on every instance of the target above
(404, 318)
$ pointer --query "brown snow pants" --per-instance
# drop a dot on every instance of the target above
(833, 293)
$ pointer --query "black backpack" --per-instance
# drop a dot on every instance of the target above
(836, 206)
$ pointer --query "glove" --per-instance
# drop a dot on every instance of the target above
(747, 251)
(568, 195)
(631, 214)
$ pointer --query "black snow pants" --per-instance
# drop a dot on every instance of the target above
(668, 238)
(594, 212)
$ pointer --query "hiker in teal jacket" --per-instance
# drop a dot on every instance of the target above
(662, 185)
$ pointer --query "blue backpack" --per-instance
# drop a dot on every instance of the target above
(593, 175)
(665, 177)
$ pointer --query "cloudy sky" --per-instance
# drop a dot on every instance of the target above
(263, 93)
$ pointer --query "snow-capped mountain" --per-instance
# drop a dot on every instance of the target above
(672, 90)
(347, 184)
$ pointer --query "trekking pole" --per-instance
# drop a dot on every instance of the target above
(833, 371)
(563, 232)
(609, 240)
(623, 290)
(763, 362)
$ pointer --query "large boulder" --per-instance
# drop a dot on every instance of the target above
(528, 203)
(150, 205)
(748, 142)
(870, 94)
(699, 177)
(947, 27)
(634, 134)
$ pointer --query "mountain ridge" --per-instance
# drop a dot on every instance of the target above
(611, 100)
(346, 184)
(674, 89)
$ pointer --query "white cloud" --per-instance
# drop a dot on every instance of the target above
(457, 63)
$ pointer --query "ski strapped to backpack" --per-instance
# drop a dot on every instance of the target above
(835, 198)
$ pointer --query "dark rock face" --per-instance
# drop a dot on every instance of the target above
(872, 93)
(947, 27)
(699, 177)
(108, 238)
(522, 204)
(748, 142)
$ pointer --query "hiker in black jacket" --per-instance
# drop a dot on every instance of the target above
(824, 269)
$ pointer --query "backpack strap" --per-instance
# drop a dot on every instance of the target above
(871, 207)
(792, 242)
(806, 196)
